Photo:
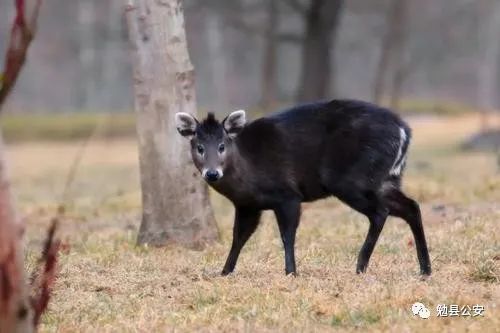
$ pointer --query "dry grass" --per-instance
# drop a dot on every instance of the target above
(66, 126)
(107, 284)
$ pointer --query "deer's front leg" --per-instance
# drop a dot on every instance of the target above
(246, 221)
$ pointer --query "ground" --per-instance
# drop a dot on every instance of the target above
(107, 284)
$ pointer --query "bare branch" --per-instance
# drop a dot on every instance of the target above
(45, 278)
(21, 35)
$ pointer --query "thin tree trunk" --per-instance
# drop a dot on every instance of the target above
(268, 93)
(86, 53)
(322, 20)
(111, 53)
(400, 75)
(176, 206)
(216, 57)
(490, 61)
(401, 65)
(394, 21)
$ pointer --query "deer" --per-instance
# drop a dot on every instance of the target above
(352, 150)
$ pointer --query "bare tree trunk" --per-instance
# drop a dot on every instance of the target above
(86, 52)
(176, 206)
(111, 52)
(216, 57)
(389, 43)
(398, 80)
(322, 20)
(490, 61)
(268, 92)
(401, 65)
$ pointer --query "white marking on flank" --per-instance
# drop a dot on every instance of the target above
(399, 161)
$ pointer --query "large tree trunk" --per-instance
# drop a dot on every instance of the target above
(322, 19)
(176, 206)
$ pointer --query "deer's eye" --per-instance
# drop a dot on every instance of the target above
(200, 149)
(221, 148)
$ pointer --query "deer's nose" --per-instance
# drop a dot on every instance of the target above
(212, 175)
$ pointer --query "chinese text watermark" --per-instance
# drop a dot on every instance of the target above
(448, 310)
(455, 310)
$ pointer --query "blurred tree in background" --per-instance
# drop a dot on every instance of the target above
(256, 52)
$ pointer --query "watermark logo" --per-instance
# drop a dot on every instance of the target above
(448, 310)
(419, 309)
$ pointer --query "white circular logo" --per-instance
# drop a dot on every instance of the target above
(419, 309)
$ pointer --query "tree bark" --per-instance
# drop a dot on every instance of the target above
(322, 20)
(176, 206)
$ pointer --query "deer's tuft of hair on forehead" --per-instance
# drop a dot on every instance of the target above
(210, 127)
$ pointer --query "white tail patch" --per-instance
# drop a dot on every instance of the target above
(400, 160)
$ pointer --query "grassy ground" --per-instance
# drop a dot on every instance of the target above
(66, 126)
(107, 284)
(70, 126)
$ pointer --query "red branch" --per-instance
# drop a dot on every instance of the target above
(12, 286)
(8, 274)
(20, 14)
(21, 35)
(42, 283)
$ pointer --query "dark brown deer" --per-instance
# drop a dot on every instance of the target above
(352, 150)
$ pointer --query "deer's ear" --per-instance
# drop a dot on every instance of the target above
(234, 123)
(186, 124)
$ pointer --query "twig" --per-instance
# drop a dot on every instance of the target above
(42, 284)
(76, 163)
(43, 277)
(21, 36)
